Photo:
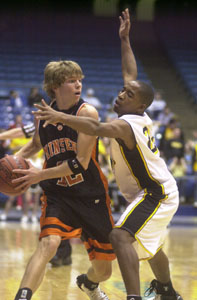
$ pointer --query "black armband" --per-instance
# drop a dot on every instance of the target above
(75, 166)
(28, 130)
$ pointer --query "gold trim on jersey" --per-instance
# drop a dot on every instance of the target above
(147, 170)
(129, 166)
(143, 198)
(137, 239)
(148, 258)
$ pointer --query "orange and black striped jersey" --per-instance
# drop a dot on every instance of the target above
(60, 143)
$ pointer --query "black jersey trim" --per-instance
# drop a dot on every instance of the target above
(56, 226)
(139, 170)
(108, 251)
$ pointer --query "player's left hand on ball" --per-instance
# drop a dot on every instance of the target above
(28, 177)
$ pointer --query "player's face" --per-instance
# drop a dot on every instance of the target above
(70, 90)
(128, 101)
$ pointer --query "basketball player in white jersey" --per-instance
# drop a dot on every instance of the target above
(141, 174)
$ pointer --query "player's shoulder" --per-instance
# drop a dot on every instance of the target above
(87, 110)
(137, 119)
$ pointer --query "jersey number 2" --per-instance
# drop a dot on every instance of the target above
(151, 141)
(69, 180)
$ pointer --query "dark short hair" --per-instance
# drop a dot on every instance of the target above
(146, 93)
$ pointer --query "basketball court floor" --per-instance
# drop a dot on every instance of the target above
(18, 241)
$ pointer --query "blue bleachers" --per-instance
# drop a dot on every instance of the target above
(25, 52)
(178, 36)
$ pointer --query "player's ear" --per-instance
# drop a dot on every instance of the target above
(54, 89)
(142, 108)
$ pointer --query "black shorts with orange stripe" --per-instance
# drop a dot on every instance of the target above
(89, 219)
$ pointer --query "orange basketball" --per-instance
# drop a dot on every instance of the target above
(7, 164)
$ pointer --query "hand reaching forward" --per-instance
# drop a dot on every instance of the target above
(28, 177)
(124, 24)
(45, 112)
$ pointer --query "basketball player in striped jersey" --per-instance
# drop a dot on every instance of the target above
(75, 202)
(141, 174)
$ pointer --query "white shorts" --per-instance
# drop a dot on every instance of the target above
(147, 220)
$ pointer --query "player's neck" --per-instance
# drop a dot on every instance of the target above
(65, 105)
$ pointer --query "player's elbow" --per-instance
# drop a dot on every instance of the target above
(84, 162)
(130, 77)
(94, 131)
(93, 128)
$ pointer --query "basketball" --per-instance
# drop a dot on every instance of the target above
(7, 164)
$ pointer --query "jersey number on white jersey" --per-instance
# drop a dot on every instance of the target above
(151, 140)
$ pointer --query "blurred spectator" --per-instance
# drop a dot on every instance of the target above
(188, 157)
(169, 129)
(194, 160)
(191, 181)
(18, 142)
(104, 158)
(175, 146)
(17, 101)
(194, 133)
(18, 122)
(91, 99)
(157, 106)
(166, 133)
(9, 203)
(194, 164)
(192, 144)
(178, 168)
(32, 195)
(34, 96)
(111, 114)
(165, 116)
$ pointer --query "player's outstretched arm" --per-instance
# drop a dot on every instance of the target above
(129, 66)
(87, 125)
(12, 134)
(31, 148)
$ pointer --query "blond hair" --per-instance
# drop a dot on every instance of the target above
(56, 72)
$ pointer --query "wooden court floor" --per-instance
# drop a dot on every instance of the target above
(17, 243)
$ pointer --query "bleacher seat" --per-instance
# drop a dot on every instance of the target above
(177, 34)
(23, 56)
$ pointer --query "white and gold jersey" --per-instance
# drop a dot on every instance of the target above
(142, 168)
(144, 180)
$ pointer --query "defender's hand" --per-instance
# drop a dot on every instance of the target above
(124, 24)
(45, 112)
